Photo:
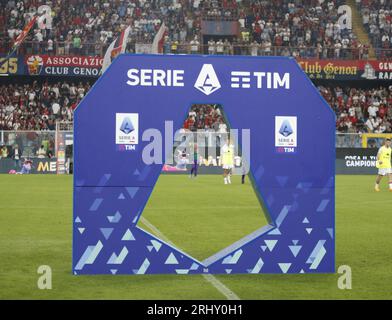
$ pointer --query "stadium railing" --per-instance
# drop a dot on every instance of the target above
(371, 140)
(348, 140)
(360, 140)
(262, 50)
(135, 46)
(59, 48)
(30, 141)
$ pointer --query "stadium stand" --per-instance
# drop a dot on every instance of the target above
(205, 116)
(360, 110)
(39, 106)
(304, 28)
(89, 26)
(282, 27)
(377, 20)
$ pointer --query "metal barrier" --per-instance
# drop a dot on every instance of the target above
(30, 141)
(178, 47)
(256, 49)
(348, 140)
(361, 140)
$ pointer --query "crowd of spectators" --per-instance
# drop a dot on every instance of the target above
(308, 28)
(300, 25)
(357, 111)
(85, 27)
(39, 106)
(205, 117)
(360, 110)
(377, 19)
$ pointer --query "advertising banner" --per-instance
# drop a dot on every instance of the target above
(83, 66)
(220, 28)
(347, 69)
(38, 166)
(138, 105)
(348, 161)
(11, 65)
(356, 161)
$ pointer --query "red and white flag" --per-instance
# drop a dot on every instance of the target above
(157, 44)
(22, 36)
(115, 48)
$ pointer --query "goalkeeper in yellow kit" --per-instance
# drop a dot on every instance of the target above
(384, 164)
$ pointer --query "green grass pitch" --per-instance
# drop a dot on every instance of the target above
(36, 224)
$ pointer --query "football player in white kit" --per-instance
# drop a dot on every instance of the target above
(227, 156)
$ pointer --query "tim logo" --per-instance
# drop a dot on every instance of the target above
(285, 134)
(207, 81)
(127, 131)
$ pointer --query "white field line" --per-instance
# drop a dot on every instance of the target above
(229, 294)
